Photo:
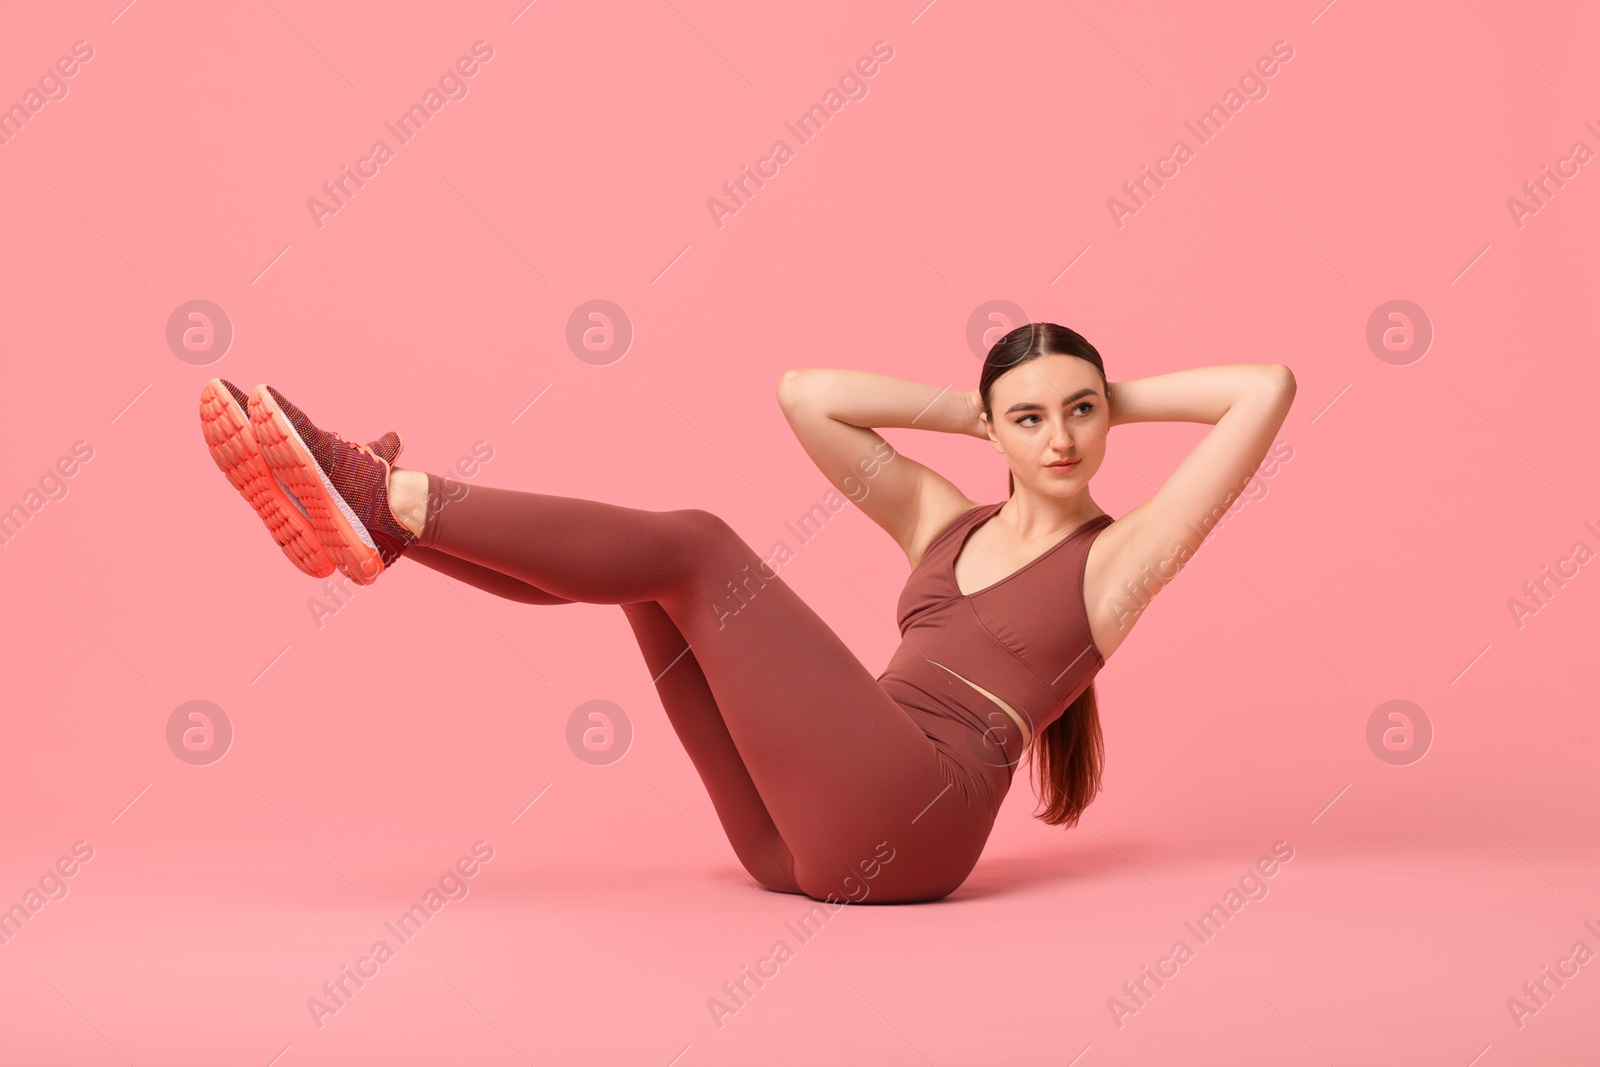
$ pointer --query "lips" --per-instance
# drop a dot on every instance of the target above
(1063, 466)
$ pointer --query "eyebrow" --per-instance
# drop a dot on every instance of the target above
(1029, 405)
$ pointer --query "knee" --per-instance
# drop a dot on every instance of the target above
(710, 542)
(704, 524)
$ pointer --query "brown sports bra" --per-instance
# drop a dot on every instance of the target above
(1025, 638)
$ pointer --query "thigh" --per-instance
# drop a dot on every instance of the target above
(846, 773)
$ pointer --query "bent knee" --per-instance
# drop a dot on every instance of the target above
(705, 524)
(710, 543)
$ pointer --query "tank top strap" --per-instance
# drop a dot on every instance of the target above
(952, 534)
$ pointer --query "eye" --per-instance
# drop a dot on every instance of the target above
(1084, 404)
(1020, 422)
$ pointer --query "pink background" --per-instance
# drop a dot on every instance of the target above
(372, 752)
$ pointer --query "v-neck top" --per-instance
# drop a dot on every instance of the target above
(1025, 638)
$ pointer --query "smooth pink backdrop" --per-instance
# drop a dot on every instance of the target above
(373, 751)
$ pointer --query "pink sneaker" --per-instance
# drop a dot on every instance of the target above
(225, 422)
(342, 485)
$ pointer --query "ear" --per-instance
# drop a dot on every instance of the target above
(988, 428)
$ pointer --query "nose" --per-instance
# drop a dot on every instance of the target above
(1061, 440)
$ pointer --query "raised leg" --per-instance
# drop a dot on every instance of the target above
(485, 578)
(847, 776)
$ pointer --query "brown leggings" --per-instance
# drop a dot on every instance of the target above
(823, 782)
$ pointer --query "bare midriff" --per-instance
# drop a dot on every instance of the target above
(1027, 735)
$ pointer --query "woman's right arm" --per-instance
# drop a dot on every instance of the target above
(832, 413)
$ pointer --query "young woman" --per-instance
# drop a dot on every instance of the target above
(830, 781)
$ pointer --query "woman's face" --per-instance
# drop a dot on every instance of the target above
(1046, 410)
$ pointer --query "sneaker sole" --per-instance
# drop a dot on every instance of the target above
(233, 447)
(343, 536)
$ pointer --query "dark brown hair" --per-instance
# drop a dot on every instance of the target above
(1068, 754)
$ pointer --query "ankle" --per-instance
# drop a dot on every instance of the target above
(408, 498)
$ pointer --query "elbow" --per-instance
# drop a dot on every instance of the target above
(790, 386)
(1281, 377)
(1282, 390)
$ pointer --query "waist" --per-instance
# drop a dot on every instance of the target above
(1022, 724)
(972, 728)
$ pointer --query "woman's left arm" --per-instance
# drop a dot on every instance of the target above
(1203, 394)
(1147, 546)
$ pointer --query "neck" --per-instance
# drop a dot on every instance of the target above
(1034, 515)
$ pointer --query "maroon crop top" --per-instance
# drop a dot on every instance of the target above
(1025, 639)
